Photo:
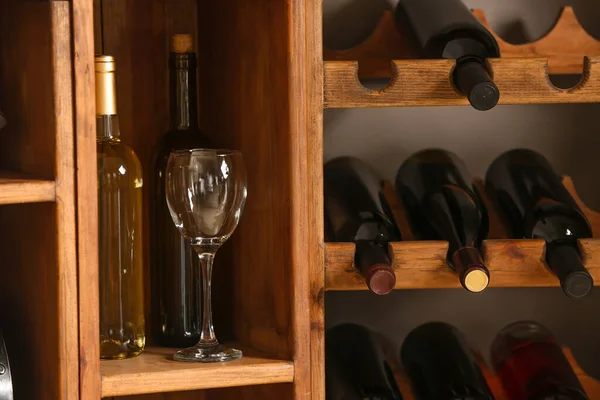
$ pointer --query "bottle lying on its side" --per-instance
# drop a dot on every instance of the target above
(536, 205)
(440, 199)
(356, 211)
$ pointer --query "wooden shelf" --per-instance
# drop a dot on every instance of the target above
(428, 83)
(155, 372)
(15, 189)
(423, 265)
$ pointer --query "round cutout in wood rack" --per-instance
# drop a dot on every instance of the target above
(521, 74)
(422, 264)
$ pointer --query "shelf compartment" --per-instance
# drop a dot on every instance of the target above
(423, 264)
(428, 83)
(16, 188)
(155, 372)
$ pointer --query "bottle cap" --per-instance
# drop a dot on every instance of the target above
(476, 280)
(469, 266)
(106, 97)
(578, 284)
(484, 96)
(472, 78)
(565, 261)
(381, 279)
(182, 43)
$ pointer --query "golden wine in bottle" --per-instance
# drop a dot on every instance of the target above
(122, 330)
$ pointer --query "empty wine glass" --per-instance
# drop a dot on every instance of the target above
(206, 192)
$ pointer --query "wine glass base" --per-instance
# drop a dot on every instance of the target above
(207, 354)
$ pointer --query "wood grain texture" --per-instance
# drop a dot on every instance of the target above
(428, 83)
(565, 46)
(68, 323)
(18, 188)
(38, 240)
(154, 372)
(374, 53)
(31, 290)
(186, 395)
(87, 205)
(422, 264)
(254, 69)
(314, 205)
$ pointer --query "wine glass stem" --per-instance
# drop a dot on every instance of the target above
(208, 333)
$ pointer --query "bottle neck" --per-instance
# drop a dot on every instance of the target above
(183, 93)
(107, 127)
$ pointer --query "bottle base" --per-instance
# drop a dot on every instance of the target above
(115, 350)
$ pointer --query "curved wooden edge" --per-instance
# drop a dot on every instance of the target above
(428, 83)
(374, 53)
(422, 264)
(565, 46)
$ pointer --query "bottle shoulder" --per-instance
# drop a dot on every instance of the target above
(114, 155)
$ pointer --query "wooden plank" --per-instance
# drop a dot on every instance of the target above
(314, 205)
(428, 83)
(154, 372)
(18, 188)
(187, 395)
(68, 324)
(87, 209)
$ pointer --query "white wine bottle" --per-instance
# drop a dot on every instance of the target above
(122, 330)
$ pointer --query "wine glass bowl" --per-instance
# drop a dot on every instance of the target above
(206, 191)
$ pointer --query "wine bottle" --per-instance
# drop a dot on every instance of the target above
(536, 205)
(356, 367)
(441, 203)
(356, 211)
(441, 366)
(448, 29)
(122, 330)
(175, 266)
(531, 365)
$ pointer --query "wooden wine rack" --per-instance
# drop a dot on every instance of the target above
(422, 264)
(521, 74)
(264, 81)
